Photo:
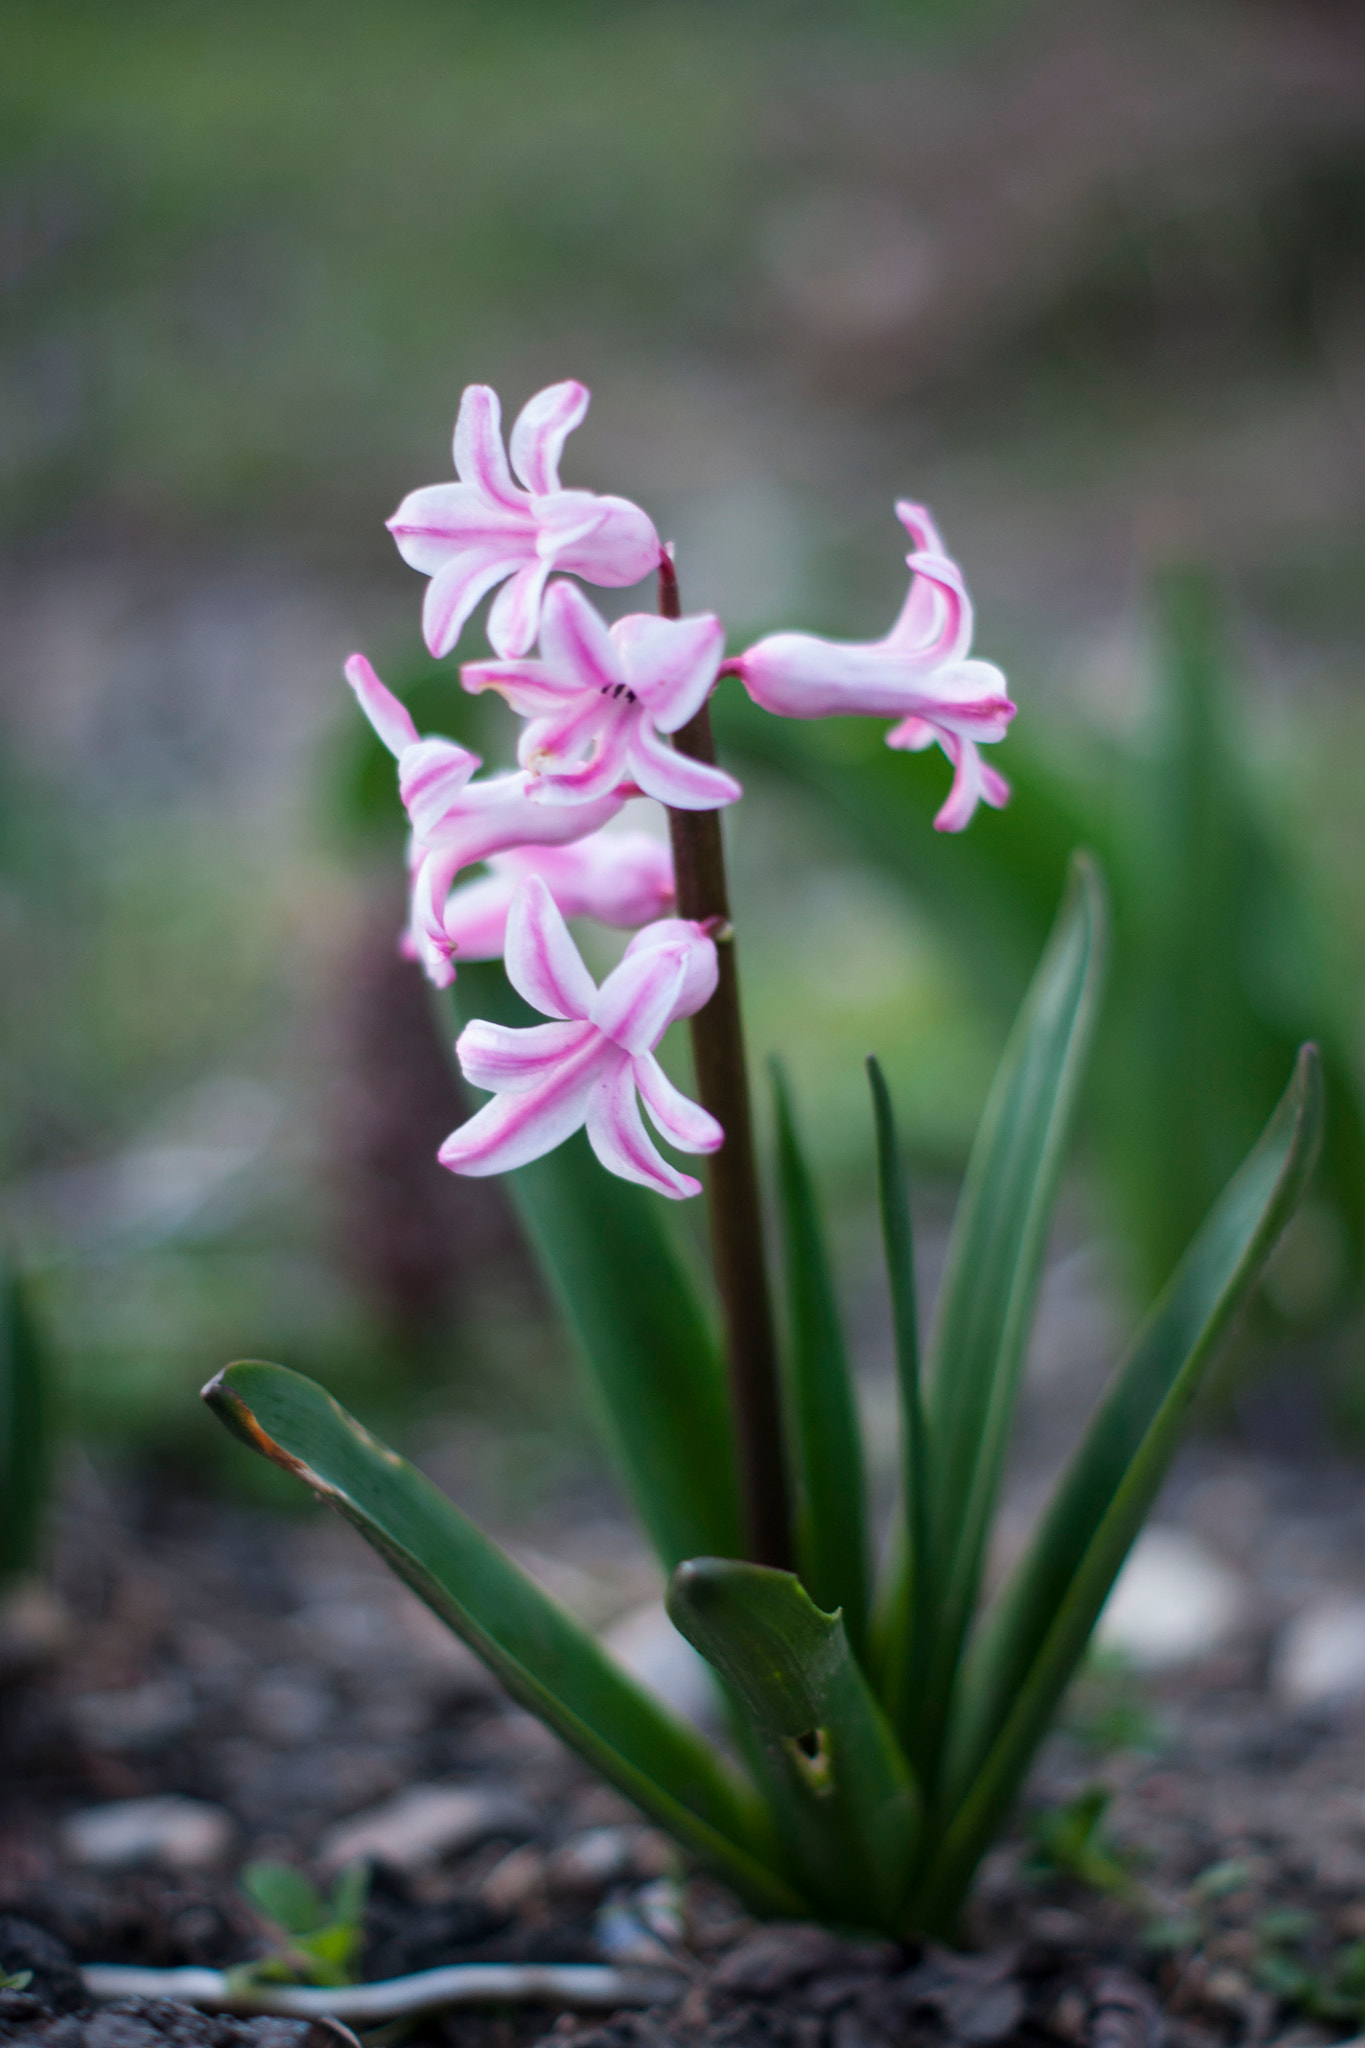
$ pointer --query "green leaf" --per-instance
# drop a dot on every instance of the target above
(285, 1896)
(542, 1655)
(607, 1250)
(349, 1894)
(844, 1795)
(985, 1307)
(1039, 1628)
(907, 1594)
(25, 1453)
(831, 1535)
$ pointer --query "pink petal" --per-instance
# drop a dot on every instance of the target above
(475, 917)
(574, 640)
(479, 456)
(489, 817)
(973, 783)
(514, 619)
(509, 1060)
(618, 548)
(970, 697)
(670, 663)
(618, 1136)
(675, 779)
(511, 1130)
(431, 880)
(683, 1122)
(543, 963)
(637, 1002)
(542, 427)
(626, 878)
(918, 522)
(551, 749)
(935, 623)
(525, 685)
(432, 775)
(912, 735)
(619, 878)
(995, 789)
(960, 807)
(390, 719)
(697, 951)
(439, 521)
(916, 624)
(454, 591)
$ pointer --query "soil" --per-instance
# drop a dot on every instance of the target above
(269, 1667)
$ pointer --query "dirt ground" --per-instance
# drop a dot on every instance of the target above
(267, 1682)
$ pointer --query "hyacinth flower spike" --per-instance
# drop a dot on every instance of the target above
(488, 529)
(589, 1064)
(455, 820)
(920, 674)
(598, 700)
(623, 879)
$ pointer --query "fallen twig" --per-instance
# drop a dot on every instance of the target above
(586, 1986)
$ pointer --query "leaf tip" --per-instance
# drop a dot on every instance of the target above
(228, 1404)
(1085, 882)
(1309, 1091)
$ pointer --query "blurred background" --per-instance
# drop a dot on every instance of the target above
(1086, 276)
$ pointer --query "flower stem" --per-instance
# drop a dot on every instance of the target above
(732, 1174)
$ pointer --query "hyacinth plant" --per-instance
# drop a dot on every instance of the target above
(881, 1720)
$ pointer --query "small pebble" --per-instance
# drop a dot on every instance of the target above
(139, 1717)
(516, 1882)
(1174, 1603)
(181, 1834)
(422, 1825)
(1319, 1659)
(288, 1708)
(35, 1627)
(589, 1862)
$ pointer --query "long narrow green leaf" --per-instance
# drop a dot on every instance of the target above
(25, 1458)
(1014, 1678)
(991, 1280)
(542, 1655)
(908, 1591)
(831, 1533)
(843, 1792)
(634, 1311)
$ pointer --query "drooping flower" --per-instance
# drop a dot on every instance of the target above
(920, 674)
(457, 821)
(486, 529)
(619, 878)
(589, 1064)
(598, 699)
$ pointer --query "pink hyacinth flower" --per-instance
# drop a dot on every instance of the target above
(486, 529)
(589, 1065)
(623, 879)
(919, 674)
(455, 820)
(598, 699)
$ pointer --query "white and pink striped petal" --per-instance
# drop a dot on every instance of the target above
(617, 1134)
(600, 700)
(619, 878)
(550, 1079)
(512, 1130)
(919, 675)
(487, 529)
(541, 429)
(543, 963)
(675, 1116)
